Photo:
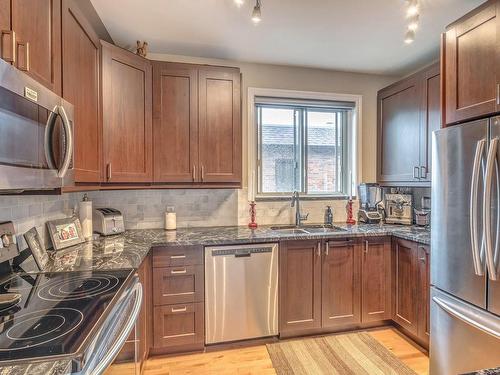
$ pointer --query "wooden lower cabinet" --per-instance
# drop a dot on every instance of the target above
(341, 284)
(300, 286)
(178, 298)
(179, 325)
(376, 279)
(411, 289)
(423, 319)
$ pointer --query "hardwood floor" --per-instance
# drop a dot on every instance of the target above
(255, 360)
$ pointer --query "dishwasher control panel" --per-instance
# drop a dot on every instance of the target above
(242, 251)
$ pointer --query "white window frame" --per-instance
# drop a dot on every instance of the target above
(354, 160)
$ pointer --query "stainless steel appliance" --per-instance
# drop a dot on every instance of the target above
(81, 319)
(465, 264)
(370, 196)
(241, 292)
(108, 221)
(36, 142)
(398, 209)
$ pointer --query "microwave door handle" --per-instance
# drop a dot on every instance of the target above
(476, 257)
(122, 337)
(69, 142)
(490, 164)
(49, 156)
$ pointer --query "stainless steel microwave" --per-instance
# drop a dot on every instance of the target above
(36, 135)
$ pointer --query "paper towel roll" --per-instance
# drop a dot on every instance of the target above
(170, 221)
(85, 213)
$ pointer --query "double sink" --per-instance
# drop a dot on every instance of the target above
(307, 229)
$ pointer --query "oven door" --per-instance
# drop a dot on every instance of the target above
(36, 143)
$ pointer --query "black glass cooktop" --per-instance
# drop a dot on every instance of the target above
(57, 311)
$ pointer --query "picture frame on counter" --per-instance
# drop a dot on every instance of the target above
(37, 248)
(65, 232)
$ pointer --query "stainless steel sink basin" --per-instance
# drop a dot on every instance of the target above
(307, 229)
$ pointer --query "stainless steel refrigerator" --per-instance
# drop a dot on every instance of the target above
(465, 248)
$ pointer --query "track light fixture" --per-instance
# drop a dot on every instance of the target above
(256, 13)
(412, 15)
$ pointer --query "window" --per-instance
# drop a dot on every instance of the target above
(304, 146)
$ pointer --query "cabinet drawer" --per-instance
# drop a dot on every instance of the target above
(177, 256)
(181, 324)
(178, 285)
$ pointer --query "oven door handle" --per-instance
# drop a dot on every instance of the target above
(115, 348)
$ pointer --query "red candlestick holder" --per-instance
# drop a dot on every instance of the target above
(350, 220)
(253, 213)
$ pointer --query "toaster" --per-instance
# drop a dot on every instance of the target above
(108, 221)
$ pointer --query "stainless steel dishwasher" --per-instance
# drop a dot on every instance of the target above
(241, 292)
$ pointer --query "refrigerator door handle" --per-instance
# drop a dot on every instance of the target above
(468, 316)
(490, 164)
(476, 173)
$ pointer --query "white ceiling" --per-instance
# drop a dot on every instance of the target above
(351, 35)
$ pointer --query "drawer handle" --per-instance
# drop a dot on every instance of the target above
(177, 257)
(178, 271)
(182, 309)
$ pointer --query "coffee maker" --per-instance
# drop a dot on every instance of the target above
(370, 196)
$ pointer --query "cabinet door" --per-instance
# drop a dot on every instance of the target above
(7, 38)
(399, 131)
(126, 115)
(179, 325)
(300, 286)
(424, 293)
(430, 117)
(405, 291)
(470, 65)
(376, 279)
(37, 27)
(175, 122)
(80, 70)
(220, 125)
(341, 284)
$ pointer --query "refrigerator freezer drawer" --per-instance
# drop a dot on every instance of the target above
(464, 338)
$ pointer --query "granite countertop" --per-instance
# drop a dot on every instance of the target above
(127, 250)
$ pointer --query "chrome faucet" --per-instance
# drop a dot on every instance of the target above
(296, 203)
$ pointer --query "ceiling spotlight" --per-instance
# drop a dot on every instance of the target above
(256, 14)
(410, 37)
(412, 8)
(239, 3)
(413, 23)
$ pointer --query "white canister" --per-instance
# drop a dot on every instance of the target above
(85, 214)
(170, 221)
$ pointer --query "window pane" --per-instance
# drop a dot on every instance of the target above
(324, 151)
(278, 150)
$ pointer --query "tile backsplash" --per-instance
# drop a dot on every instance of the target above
(146, 208)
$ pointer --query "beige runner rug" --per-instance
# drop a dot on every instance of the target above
(352, 353)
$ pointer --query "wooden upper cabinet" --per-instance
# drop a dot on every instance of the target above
(300, 286)
(80, 71)
(430, 117)
(399, 131)
(37, 28)
(470, 63)
(341, 283)
(219, 124)
(405, 291)
(126, 115)
(175, 122)
(376, 265)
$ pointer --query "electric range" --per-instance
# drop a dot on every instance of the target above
(58, 315)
